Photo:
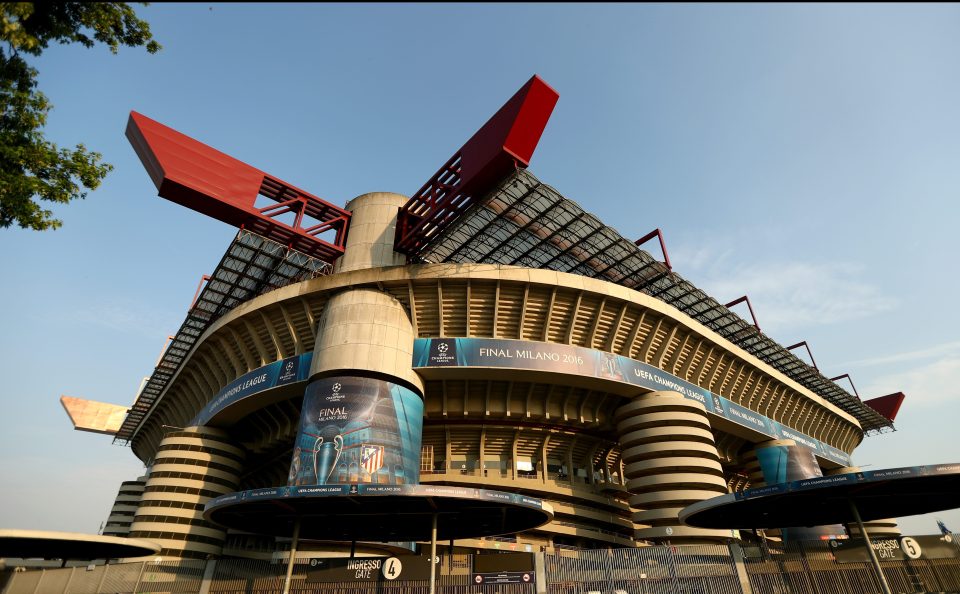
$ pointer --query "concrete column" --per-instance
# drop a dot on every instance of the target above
(361, 377)
(875, 528)
(208, 572)
(191, 467)
(365, 330)
(373, 223)
(670, 461)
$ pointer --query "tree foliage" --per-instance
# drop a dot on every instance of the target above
(31, 167)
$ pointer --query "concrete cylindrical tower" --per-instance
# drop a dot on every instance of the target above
(191, 467)
(365, 330)
(886, 528)
(670, 462)
(124, 507)
(370, 239)
(362, 415)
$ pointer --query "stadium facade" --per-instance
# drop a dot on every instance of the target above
(550, 356)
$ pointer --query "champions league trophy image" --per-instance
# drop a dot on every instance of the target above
(610, 367)
(316, 456)
(326, 453)
(357, 430)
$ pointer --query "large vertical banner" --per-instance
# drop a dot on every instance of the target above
(787, 463)
(358, 430)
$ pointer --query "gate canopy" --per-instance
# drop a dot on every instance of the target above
(878, 494)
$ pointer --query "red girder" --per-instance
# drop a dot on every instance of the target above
(201, 178)
(739, 300)
(888, 406)
(504, 143)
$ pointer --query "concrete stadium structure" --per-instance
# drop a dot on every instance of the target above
(587, 373)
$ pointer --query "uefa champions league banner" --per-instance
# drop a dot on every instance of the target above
(278, 373)
(357, 430)
(781, 464)
(574, 360)
(865, 476)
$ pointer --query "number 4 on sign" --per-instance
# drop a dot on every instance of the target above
(392, 568)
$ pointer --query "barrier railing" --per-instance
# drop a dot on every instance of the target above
(800, 568)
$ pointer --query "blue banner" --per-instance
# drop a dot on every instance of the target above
(784, 465)
(358, 430)
(340, 490)
(278, 373)
(862, 477)
(561, 358)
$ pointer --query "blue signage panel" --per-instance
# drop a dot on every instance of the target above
(561, 358)
(864, 477)
(407, 490)
(279, 373)
(358, 430)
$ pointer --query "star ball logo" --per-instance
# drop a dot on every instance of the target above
(335, 395)
(289, 372)
(443, 353)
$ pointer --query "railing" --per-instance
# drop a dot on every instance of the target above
(802, 568)
(559, 478)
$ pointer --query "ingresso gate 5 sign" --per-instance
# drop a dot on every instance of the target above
(854, 550)
(561, 358)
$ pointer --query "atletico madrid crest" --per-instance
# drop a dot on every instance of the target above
(371, 458)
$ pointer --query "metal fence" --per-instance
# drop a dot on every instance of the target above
(648, 570)
(803, 568)
(810, 567)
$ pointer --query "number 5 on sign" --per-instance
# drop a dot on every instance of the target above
(392, 568)
(910, 547)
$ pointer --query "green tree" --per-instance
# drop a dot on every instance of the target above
(31, 167)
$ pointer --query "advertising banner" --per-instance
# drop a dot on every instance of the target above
(561, 358)
(868, 476)
(278, 373)
(786, 464)
(358, 430)
(338, 490)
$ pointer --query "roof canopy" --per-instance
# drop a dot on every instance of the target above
(524, 222)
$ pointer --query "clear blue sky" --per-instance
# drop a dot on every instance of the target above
(803, 154)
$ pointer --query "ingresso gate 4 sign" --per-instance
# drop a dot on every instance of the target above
(369, 569)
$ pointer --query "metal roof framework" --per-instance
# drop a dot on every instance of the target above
(201, 178)
(506, 142)
(251, 266)
(524, 222)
